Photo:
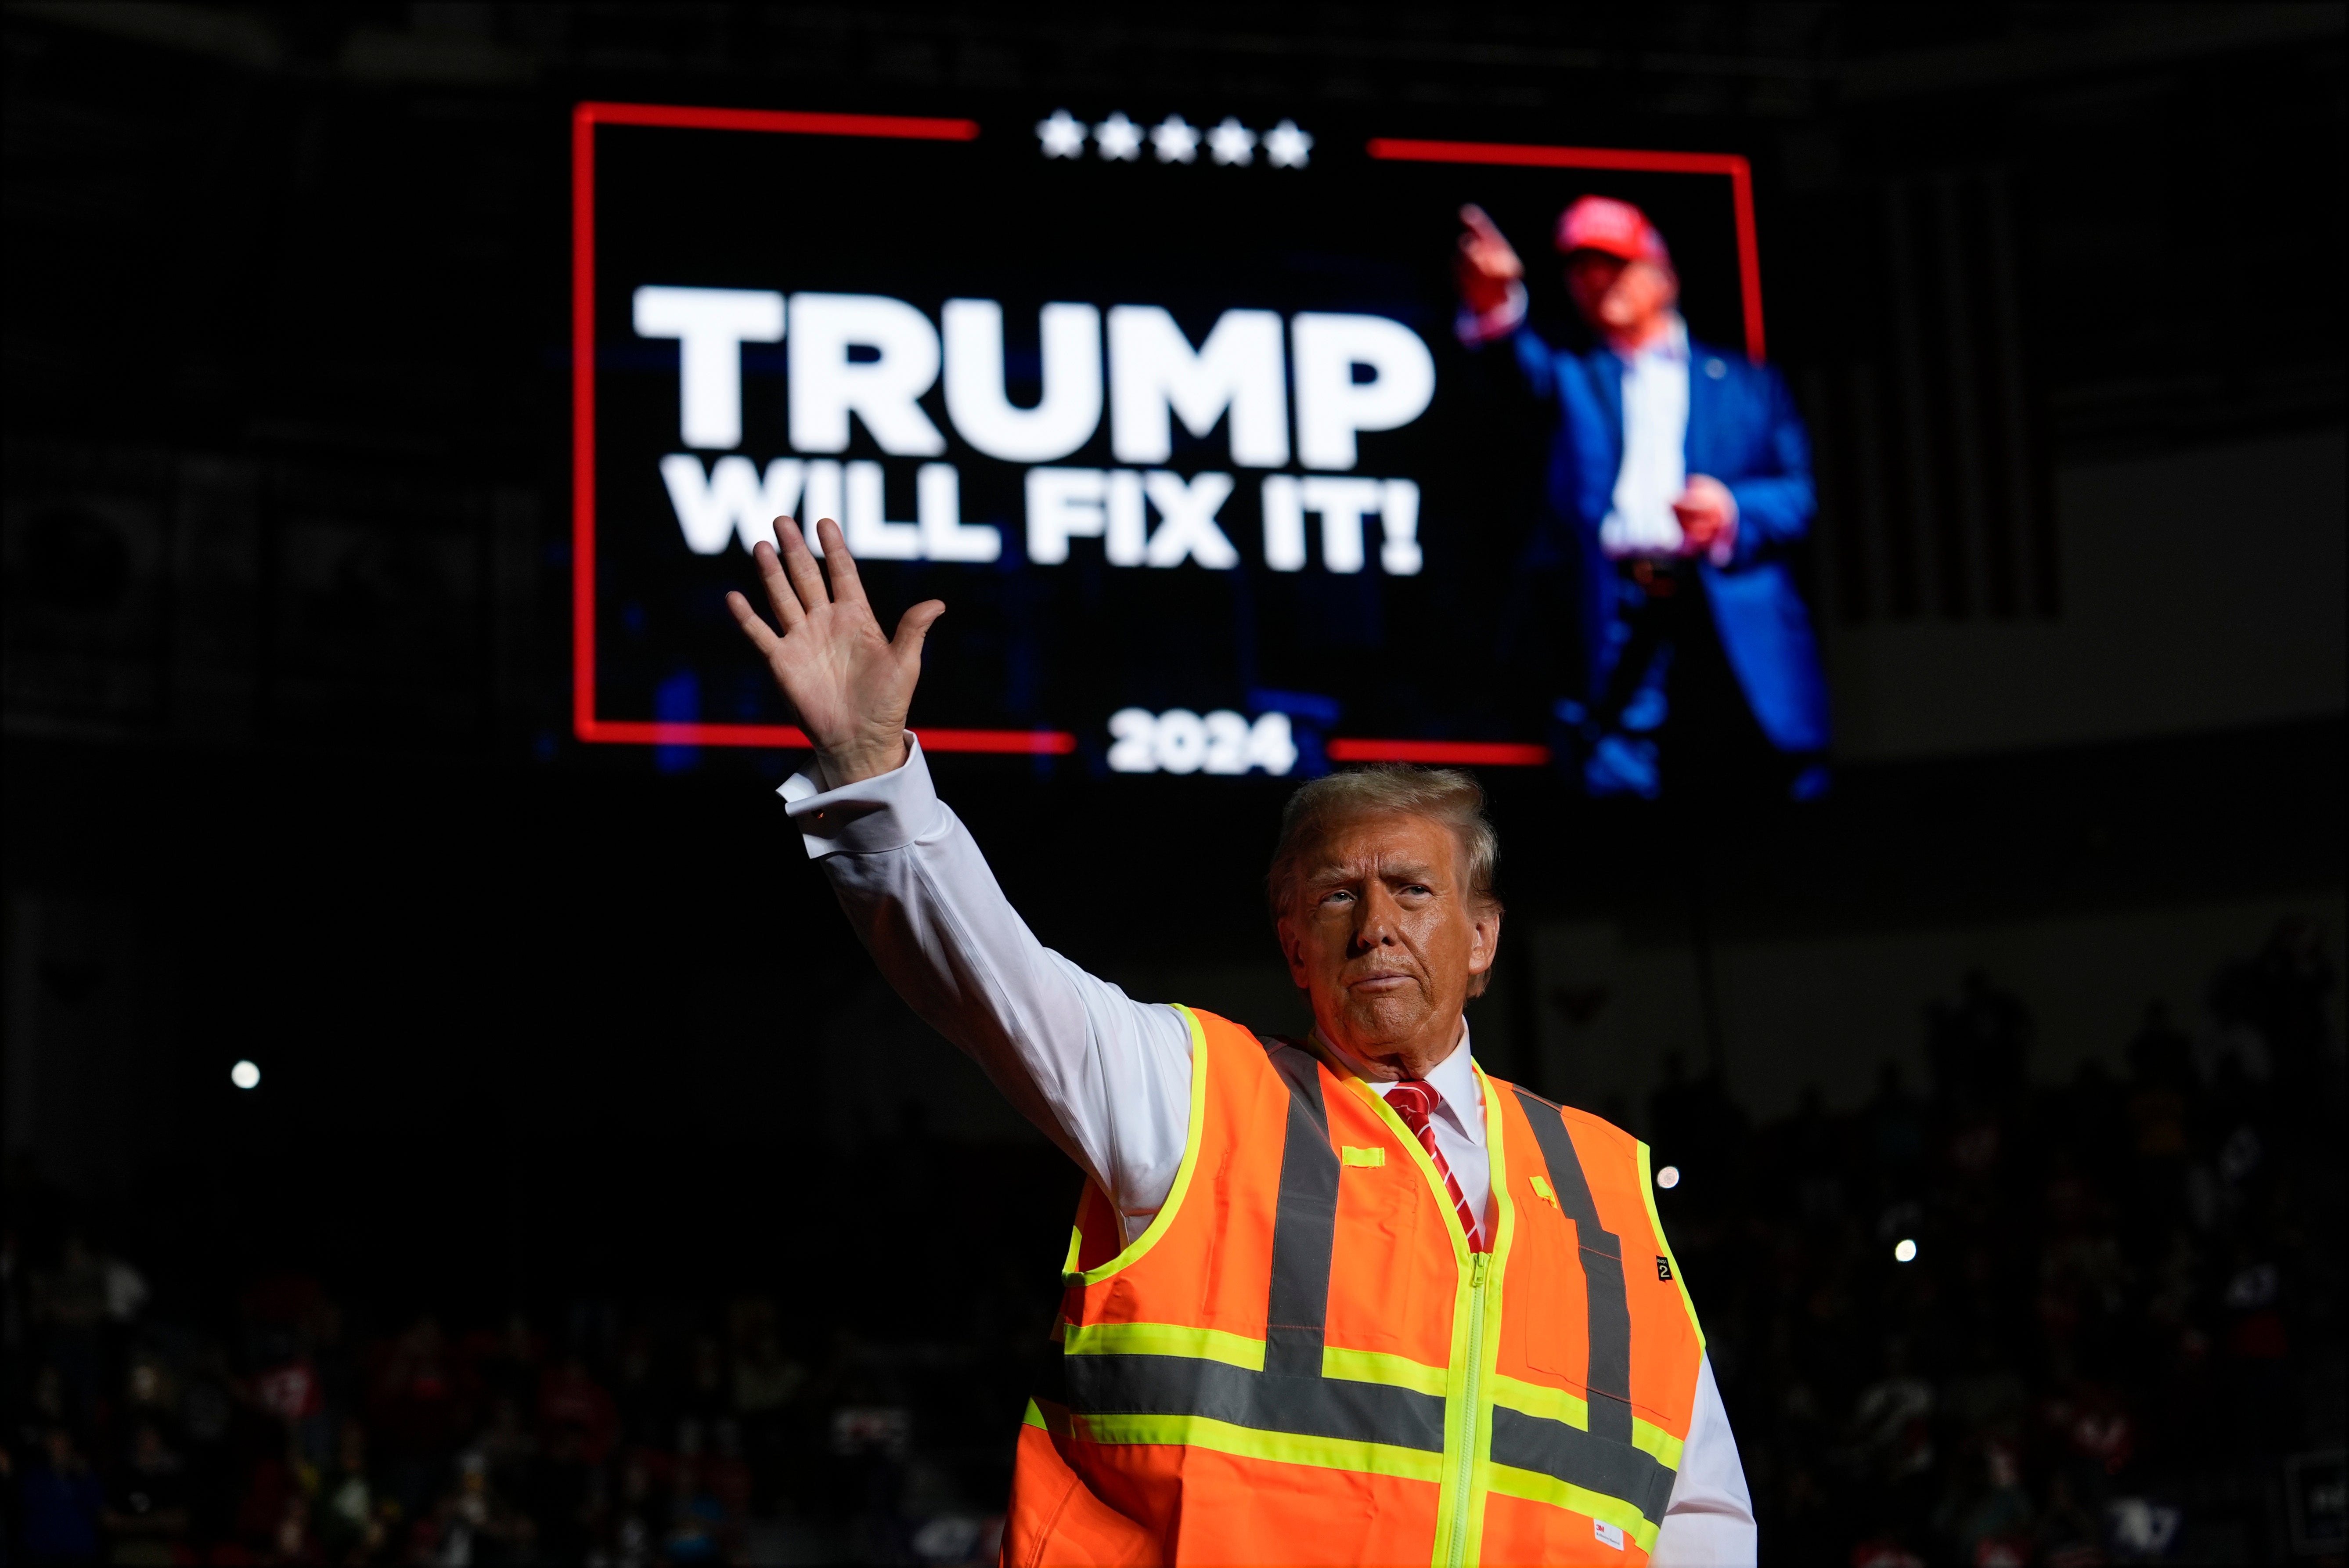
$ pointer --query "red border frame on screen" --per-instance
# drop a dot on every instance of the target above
(586, 116)
(585, 721)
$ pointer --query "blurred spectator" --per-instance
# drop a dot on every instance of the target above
(72, 1304)
(710, 1396)
(149, 1516)
(640, 1521)
(61, 1503)
(2275, 1002)
(562, 1493)
(1986, 1519)
(506, 1364)
(2067, 1535)
(1891, 1427)
(506, 1446)
(1978, 1045)
(697, 1524)
(570, 1396)
(343, 1519)
(765, 1378)
(1896, 1126)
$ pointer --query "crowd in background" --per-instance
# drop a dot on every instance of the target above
(1995, 1321)
(2005, 1322)
(308, 1431)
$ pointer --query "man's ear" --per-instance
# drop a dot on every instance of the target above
(1488, 939)
(1290, 951)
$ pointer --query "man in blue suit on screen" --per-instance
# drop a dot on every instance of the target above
(1679, 480)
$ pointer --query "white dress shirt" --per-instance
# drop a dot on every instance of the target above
(1655, 448)
(1653, 474)
(1109, 1078)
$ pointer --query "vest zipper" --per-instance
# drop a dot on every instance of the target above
(1458, 1556)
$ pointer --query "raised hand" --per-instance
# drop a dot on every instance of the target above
(850, 685)
(1488, 267)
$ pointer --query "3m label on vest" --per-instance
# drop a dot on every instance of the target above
(1608, 1534)
(1663, 1267)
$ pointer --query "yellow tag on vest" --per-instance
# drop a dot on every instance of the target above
(1352, 1156)
(1543, 1191)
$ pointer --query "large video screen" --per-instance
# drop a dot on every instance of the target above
(1170, 410)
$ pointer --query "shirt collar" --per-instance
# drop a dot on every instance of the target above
(1454, 1079)
(1672, 346)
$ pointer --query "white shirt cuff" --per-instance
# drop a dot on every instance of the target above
(1477, 329)
(873, 815)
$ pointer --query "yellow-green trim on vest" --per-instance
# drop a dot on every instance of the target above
(1485, 1370)
(1651, 1439)
(1162, 1339)
(1244, 1442)
(1532, 1486)
(1537, 1399)
(1656, 1221)
(1573, 1411)
(1476, 1337)
(1382, 1366)
(1165, 1219)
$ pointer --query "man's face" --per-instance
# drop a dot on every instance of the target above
(1382, 933)
(1618, 296)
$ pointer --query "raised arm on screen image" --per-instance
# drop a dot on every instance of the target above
(1285, 1296)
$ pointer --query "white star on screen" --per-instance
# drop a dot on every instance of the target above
(1118, 138)
(1232, 142)
(1176, 140)
(1287, 147)
(1063, 135)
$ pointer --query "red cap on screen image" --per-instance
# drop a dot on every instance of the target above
(1618, 228)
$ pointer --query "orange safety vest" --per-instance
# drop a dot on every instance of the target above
(1301, 1360)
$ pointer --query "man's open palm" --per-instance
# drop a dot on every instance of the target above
(850, 685)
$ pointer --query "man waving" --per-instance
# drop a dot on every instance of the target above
(1340, 1300)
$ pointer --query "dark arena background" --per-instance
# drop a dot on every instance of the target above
(447, 1120)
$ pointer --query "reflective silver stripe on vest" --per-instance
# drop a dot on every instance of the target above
(1305, 1227)
(1289, 1394)
(1602, 1458)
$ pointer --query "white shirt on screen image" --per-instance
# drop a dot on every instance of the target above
(1653, 473)
(1109, 1078)
(1655, 449)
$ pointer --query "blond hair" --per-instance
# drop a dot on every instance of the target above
(1444, 795)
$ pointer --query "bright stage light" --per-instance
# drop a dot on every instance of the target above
(244, 1075)
(1668, 1178)
(1904, 1251)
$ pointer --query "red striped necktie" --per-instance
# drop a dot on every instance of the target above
(1414, 1100)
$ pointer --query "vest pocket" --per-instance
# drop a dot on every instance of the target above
(1557, 1329)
